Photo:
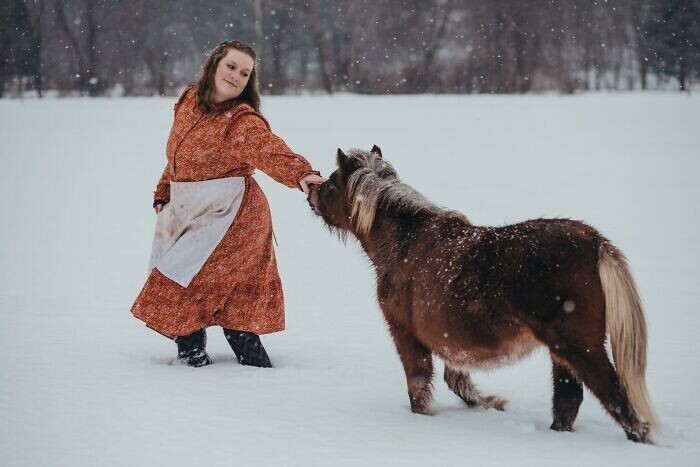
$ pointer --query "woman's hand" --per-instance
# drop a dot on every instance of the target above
(158, 205)
(309, 181)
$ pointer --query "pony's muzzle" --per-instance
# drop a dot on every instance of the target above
(312, 199)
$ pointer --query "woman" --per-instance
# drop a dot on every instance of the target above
(212, 261)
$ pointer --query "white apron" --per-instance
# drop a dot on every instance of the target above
(192, 224)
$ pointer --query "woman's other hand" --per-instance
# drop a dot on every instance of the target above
(158, 205)
(309, 181)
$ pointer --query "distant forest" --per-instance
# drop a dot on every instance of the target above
(140, 47)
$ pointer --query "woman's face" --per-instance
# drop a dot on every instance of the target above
(232, 75)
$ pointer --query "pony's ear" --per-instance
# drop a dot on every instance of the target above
(341, 159)
(377, 151)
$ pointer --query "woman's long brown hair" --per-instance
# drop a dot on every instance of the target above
(205, 84)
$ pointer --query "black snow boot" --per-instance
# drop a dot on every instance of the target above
(191, 349)
(248, 348)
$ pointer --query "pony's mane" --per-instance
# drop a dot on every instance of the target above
(375, 183)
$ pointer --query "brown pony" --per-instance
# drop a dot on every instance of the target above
(481, 297)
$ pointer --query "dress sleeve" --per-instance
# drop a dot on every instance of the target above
(251, 141)
(162, 192)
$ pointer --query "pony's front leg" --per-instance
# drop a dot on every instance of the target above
(418, 365)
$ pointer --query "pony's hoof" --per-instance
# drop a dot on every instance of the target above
(641, 434)
(428, 412)
(495, 402)
(421, 407)
(561, 426)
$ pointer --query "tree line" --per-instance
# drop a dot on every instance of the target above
(142, 47)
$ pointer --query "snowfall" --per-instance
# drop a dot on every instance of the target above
(83, 383)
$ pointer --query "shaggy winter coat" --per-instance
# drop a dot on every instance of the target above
(238, 287)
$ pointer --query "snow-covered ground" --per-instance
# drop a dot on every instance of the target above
(82, 383)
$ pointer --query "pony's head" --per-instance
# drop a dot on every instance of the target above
(363, 181)
(339, 202)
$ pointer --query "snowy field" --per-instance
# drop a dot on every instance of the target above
(83, 383)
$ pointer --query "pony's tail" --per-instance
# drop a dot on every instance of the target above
(624, 317)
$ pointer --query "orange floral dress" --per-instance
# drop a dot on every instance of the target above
(238, 287)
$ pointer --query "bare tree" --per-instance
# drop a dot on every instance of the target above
(18, 47)
(79, 27)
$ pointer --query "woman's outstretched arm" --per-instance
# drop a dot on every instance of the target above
(251, 141)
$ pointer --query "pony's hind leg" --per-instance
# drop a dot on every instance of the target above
(568, 395)
(418, 365)
(595, 370)
(460, 382)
